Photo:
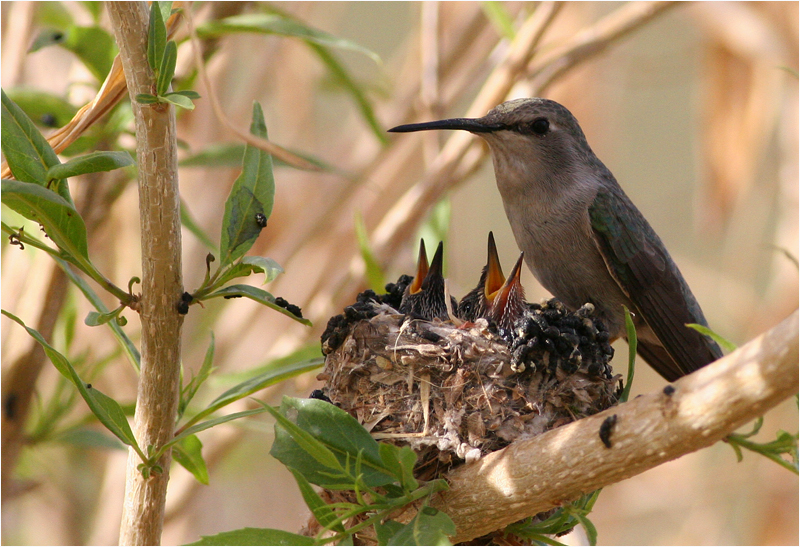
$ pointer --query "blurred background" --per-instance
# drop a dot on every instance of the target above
(693, 107)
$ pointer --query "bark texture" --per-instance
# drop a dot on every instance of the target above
(162, 286)
(694, 412)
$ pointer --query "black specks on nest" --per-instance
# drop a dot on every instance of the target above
(549, 335)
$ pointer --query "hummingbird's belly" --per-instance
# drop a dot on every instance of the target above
(571, 268)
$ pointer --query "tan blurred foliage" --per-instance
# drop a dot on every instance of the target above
(695, 111)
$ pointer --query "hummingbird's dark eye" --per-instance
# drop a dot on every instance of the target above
(540, 126)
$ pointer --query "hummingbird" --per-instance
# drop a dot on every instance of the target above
(424, 296)
(583, 238)
(495, 298)
(508, 303)
(477, 302)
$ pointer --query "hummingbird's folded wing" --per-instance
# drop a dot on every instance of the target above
(644, 270)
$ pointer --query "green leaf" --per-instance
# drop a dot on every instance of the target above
(230, 155)
(188, 393)
(375, 277)
(167, 70)
(631, 332)
(94, 8)
(178, 99)
(94, 46)
(267, 266)
(46, 38)
(308, 354)
(386, 530)
(61, 221)
(94, 162)
(322, 511)
(323, 461)
(128, 347)
(216, 155)
(166, 11)
(188, 93)
(95, 319)
(188, 222)
(727, 345)
(338, 432)
(43, 108)
(343, 78)
(85, 437)
(146, 98)
(589, 527)
(255, 536)
(280, 24)
(276, 372)
(240, 269)
(498, 15)
(253, 193)
(156, 39)
(188, 453)
(27, 152)
(106, 409)
(202, 426)
(401, 461)
(429, 527)
(259, 295)
(53, 14)
(436, 227)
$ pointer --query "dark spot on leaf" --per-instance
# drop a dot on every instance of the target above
(14, 239)
(319, 394)
(10, 406)
(48, 120)
(291, 308)
(88, 386)
(606, 428)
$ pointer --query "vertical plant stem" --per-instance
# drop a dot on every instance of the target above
(162, 286)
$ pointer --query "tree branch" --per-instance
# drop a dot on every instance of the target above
(162, 284)
(698, 410)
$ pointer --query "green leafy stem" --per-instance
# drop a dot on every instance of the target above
(162, 55)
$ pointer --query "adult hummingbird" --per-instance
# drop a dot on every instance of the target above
(424, 297)
(583, 238)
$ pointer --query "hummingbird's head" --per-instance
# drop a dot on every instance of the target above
(533, 142)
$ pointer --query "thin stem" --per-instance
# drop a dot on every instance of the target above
(162, 284)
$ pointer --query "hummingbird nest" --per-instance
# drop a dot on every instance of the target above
(453, 393)
(455, 390)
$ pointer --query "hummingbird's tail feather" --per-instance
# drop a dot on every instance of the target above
(661, 361)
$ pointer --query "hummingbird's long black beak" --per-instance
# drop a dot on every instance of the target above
(473, 125)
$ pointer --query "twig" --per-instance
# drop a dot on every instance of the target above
(698, 410)
(410, 209)
(162, 283)
(592, 41)
(274, 149)
(111, 92)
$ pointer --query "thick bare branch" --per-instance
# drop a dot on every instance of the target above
(162, 284)
(698, 410)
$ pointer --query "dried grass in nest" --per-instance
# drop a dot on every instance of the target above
(455, 393)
